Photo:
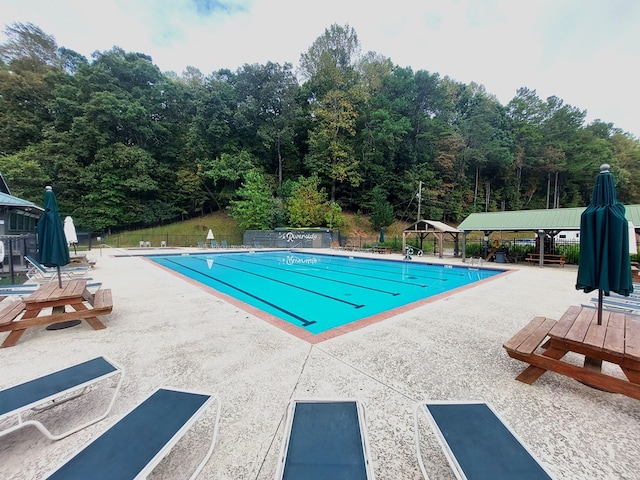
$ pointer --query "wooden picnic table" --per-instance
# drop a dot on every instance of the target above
(616, 340)
(51, 304)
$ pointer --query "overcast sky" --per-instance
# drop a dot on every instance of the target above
(585, 52)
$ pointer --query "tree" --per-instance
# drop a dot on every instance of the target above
(222, 175)
(381, 210)
(330, 62)
(252, 208)
(268, 111)
(307, 206)
(330, 149)
(28, 48)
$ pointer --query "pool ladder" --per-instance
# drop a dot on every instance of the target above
(476, 262)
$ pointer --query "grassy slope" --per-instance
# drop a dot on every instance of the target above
(224, 227)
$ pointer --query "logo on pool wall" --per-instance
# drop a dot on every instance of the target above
(293, 236)
(293, 260)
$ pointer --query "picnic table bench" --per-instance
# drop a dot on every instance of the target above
(534, 258)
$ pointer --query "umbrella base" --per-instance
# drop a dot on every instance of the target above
(61, 325)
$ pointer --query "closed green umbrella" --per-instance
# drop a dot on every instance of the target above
(52, 242)
(604, 263)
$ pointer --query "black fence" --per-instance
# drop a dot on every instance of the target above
(14, 248)
(155, 240)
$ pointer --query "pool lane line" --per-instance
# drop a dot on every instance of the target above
(351, 304)
(305, 322)
(297, 287)
(440, 279)
(355, 285)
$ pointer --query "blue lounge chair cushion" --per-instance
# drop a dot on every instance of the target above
(35, 391)
(482, 444)
(134, 442)
(23, 402)
(325, 443)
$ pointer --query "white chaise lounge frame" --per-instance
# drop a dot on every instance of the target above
(54, 399)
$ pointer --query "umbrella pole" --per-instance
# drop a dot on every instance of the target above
(59, 277)
(599, 307)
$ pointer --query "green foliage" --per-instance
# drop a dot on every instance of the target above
(381, 210)
(333, 218)
(307, 205)
(474, 250)
(122, 143)
(572, 252)
(253, 210)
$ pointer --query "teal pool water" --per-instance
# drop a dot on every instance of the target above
(320, 292)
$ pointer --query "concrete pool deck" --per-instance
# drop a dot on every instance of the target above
(165, 331)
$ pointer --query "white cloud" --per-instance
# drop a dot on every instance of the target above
(583, 51)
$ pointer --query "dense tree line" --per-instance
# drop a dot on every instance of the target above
(126, 144)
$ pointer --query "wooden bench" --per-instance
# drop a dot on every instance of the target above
(381, 249)
(526, 342)
(102, 300)
(10, 312)
(534, 258)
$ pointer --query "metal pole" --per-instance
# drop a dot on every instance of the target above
(419, 199)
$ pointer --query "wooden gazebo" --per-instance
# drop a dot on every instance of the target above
(424, 228)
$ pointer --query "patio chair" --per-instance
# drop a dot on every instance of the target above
(49, 391)
(619, 303)
(477, 444)
(24, 289)
(214, 244)
(39, 273)
(325, 439)
(225, 244)
(134, 446)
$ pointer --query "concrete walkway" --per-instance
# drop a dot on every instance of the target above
(166, 331)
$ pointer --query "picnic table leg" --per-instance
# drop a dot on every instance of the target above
(93, 321)
(532, 373)
(632, 375)
(15, 335)
(13, 338)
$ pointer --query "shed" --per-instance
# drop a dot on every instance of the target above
(423, 228)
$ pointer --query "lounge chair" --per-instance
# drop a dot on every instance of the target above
(39, 273)
(477, 444)
(325, 439)
(619, 303)
(224, 244)
(214, 244)
(49, 391)
(133, 446)
(24, 289)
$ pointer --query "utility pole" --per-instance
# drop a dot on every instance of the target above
(419, 195)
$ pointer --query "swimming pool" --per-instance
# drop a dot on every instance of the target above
(318, 292)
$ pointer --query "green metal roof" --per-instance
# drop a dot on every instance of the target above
(533, 220)
(7, 200)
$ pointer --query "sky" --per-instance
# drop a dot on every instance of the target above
(584, 52)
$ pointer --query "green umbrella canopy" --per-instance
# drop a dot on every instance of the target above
(52, 243)
(604, 262)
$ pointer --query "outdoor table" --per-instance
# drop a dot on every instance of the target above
(71, 302)
(616, 340)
